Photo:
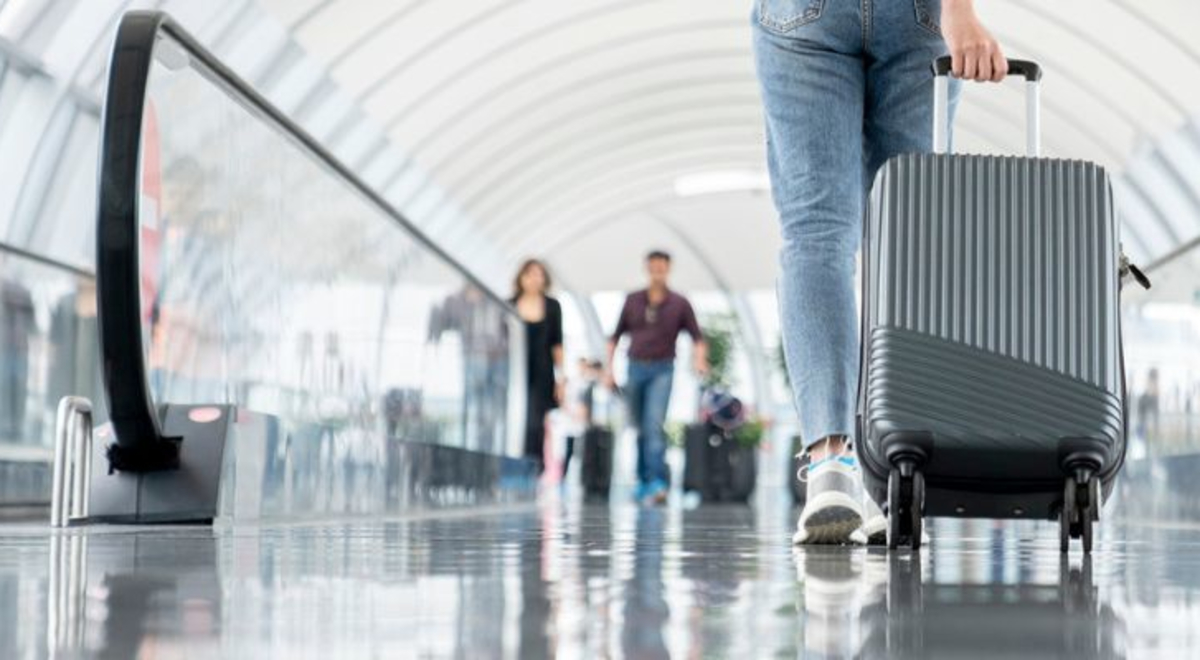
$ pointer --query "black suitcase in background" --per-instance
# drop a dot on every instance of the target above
(717, 467)
(695, 452)
(596, 470)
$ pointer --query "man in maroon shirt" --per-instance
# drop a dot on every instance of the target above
(653, 319)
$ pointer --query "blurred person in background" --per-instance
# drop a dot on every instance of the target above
(576, 409)
(18, 325)
(483, 337)
(653, 318)
(544, 351)
(1147, 407)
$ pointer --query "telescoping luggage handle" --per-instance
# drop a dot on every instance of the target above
(1032, 73)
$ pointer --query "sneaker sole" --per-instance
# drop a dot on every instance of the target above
(834, 518)
(876, 533)
(875, 530)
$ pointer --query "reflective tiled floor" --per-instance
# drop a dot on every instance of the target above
(570, 581)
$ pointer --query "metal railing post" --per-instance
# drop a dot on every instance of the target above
(72, 460)
(60, 464)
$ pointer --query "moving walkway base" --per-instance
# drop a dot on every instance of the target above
(189, 494)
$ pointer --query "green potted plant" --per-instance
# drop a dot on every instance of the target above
(675, 432)
(750, 434)
(718, 335)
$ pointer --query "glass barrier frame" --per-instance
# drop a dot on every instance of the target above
(140, 444)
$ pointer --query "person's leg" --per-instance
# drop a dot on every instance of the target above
(535, 431)
(635, 393)
(658, 399)
(567, 453)
(812, 73)
(899, 99)
(813, 81)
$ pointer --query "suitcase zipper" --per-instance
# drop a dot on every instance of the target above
(1128, 269)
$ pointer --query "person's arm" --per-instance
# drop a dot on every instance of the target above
(700, 358)
(554, 317)
(610, 379)
(975, 52)
(699, 346)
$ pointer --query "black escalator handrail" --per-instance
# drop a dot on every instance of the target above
(140, 444)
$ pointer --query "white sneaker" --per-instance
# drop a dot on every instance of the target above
(875, 525)
(833, 512)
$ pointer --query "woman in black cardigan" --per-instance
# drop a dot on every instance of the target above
(543, 331)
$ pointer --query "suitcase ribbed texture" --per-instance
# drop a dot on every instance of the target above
(991, 310)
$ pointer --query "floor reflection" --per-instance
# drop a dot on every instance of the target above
(583, 582)
(872, 604)
(645, 593)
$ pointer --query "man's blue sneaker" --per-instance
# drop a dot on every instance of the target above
(655, 494)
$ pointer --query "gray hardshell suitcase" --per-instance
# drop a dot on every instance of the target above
(992, 380)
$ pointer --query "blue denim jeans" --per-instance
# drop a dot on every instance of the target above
(649, 392)
(846, 86)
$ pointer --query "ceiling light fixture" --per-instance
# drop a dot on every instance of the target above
(721, 181)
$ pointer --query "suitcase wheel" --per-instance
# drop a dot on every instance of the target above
(906, 506)
(1080, 510)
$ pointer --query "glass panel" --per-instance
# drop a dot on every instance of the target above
(1162, 353)
(1161, 330)
(269, 282)
(48, 349)
(66, 227)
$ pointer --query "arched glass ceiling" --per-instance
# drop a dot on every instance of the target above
(53, 57)
(526, 126)
(551, 122)
(513, 127)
